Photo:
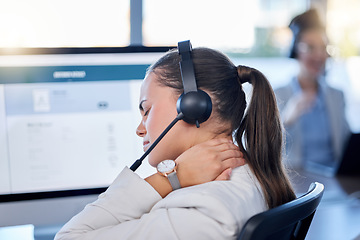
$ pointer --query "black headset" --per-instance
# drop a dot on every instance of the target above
(194, 103)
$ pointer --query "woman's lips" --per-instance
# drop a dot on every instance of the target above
(146, 144)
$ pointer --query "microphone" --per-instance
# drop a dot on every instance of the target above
(138, 162)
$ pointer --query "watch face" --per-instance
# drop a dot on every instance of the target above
(166, 166)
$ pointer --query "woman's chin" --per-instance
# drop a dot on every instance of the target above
(152, 164)
(154, 161)
(155, 157)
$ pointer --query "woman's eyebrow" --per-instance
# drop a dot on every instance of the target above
(140, 105)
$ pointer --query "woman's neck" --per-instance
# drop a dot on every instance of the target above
(211, 130)
(308, 83)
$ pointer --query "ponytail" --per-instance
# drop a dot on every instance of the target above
(261, 130)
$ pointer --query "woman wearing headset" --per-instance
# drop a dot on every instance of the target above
(215, 190)
(312, 111)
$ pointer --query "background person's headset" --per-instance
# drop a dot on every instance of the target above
(193, 106)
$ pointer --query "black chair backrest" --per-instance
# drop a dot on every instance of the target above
(288, 221)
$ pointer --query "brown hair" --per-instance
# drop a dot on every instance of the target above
(260, 129)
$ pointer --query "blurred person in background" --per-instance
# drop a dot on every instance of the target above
(312, 111)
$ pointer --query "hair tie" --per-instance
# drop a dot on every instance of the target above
(240, 79)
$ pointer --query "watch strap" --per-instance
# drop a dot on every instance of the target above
(174, 181)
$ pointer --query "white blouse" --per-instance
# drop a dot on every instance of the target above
(131, 209)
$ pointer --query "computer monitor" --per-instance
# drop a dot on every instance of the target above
(67, 129)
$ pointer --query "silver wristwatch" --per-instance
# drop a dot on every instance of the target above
(168, 168)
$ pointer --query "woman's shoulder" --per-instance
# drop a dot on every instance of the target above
(333, 90)
(242, 181)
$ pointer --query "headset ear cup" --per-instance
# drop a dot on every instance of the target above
(195, 106)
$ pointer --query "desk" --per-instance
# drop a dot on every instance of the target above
(338, 215)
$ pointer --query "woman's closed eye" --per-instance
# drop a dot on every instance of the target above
(143, 109)
(146, 112)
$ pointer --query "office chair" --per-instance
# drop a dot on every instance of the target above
(288, 221)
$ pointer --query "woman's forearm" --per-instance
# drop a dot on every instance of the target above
(160, 183)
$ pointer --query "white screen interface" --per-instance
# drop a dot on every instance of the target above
(67, 127)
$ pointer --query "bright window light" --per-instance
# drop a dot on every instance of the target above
(254, 28)
(64, 23)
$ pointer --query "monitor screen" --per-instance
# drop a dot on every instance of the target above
(67, 123)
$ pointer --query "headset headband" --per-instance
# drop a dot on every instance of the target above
(187, 67)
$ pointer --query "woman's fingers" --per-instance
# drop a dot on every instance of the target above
(233, 163)
(220, 144)
(225, 153)
(225, 175)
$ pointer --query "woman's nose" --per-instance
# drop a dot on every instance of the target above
(140, 130)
